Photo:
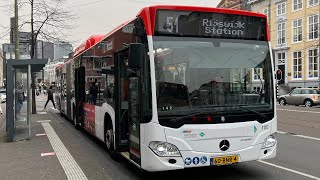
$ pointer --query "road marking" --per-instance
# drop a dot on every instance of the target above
(44, 121)
(308, 137)
(42, 113)
(41, 134)
(298, 111)
(297, 135)
(48, 154)
(69, 165)
(281, 132)
(291, 170)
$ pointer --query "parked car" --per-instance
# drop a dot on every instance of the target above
(301, 96)
(3, 95)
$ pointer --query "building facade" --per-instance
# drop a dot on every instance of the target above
(49, 70)
(233, 4)
(294, 29)
(44, 50)
(2, 84)
(62, 49)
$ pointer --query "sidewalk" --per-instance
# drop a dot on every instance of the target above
(23, 160)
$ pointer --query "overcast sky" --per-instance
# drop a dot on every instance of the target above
(101, 16)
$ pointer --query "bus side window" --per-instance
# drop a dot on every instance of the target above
(108, 89)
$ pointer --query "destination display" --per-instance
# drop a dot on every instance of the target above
(208, 24)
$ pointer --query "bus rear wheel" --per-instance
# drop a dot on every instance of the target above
(109, 140)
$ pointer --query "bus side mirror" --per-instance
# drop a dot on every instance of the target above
(136, 55)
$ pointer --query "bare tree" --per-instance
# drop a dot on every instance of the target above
(49, 21)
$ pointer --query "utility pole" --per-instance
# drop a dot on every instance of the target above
(319, 49)
(269, 18)
(17, 51)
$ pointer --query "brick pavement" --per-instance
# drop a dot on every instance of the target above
(22, 159)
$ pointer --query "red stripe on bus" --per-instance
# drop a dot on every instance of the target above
(135, 151)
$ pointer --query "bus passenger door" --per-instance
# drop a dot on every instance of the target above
(134, 115)
(121, 101)
(127, 106)
(134, 73)
(79, 94)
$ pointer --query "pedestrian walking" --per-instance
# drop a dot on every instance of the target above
(20, 98)
(50, 97)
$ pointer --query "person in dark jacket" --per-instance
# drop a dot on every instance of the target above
(93, 93)
(50, 97)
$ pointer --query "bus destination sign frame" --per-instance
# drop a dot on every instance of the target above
(210, 24)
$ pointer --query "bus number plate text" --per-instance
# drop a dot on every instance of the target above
(224, 160)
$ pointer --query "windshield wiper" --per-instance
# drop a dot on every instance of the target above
(264, 117)
(189, 115)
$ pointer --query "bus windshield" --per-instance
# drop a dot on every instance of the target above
(206, 75)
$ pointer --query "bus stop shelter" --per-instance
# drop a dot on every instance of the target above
(18, 107)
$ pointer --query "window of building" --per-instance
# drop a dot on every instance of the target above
(281, 57)
(313, 26)
(313, 57)
(281, 33)
(266, 12)
(297, 65)
(313, 2)
(281, 8)
(257, 74)
(297, 4)
(96, 65)
(297, 30)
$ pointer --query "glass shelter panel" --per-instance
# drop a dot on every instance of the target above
(20, 104)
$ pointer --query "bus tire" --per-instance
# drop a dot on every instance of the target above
(76, 125)
(109, 138)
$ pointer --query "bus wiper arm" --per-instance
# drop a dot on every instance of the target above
(264, 117)
(189, 115)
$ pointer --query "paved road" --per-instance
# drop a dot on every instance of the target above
(297, 157)
(299, 120)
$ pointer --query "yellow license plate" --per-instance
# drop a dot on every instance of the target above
(224, 160)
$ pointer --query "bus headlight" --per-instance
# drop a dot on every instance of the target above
(164, 149)
(269, 141)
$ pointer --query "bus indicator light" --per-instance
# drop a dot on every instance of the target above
(209, 118)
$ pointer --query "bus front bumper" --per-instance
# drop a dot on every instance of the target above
(151, 162)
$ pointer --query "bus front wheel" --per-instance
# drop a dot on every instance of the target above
(109, 139)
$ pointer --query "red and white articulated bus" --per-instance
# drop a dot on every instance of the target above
(176, 87)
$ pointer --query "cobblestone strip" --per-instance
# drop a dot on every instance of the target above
(69, 165)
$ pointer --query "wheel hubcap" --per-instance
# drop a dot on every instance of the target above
(282, 102)
(308, 103)
(108, 138)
